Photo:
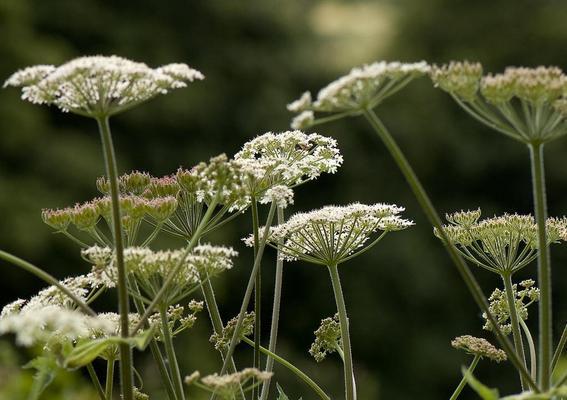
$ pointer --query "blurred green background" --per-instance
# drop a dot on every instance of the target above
(406, 300)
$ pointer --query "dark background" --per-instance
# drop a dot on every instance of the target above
(405, 299)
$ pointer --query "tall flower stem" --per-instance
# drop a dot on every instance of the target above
(175, 373)
(249, 288)
(463, 382)
(433, 217)
(543, 266)
(96, 382)
(44, 276)
(109, 378)
(531, 346)
(257, 294)
(275, 311)
(516, 333)
(345, 334)
(126, 368)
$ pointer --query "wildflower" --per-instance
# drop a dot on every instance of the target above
(327, 339)
(363, 88)
(280, 194)
(478, 347)
(334, 234)
(221, 340)
(178, 319)
(500, 308)
(98, 86)
(57, 219)
(461, 79)
(133, 183)
(227, 386)
(502, 244)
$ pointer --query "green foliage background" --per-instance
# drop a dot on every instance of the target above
(405, 299)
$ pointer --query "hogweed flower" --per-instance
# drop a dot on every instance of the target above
(133, 183)
(221, 340)
(363, 88)
(226, 387)
(527, 104)
(500, 307)
(478, 347)
(180, 318)
(334, 234)
(99, 86)
(503, 244)
(327, 339)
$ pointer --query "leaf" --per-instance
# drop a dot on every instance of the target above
(482, 390)
(46, 370)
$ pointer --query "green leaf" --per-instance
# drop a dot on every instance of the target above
(482, 390)
(46, 370)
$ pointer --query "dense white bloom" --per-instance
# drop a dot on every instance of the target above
(334, 234)
(280, 194)
(99, 85)
(303, 120)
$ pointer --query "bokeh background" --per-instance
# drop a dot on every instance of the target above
(406, 300)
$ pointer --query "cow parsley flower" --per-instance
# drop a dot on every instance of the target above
(327, 339)
(97, 86)
(502, 244)
(226, 387)
(363, 88)
(334, 234)
(478, 347)
(523, 103)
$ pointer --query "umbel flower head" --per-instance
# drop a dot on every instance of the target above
(226, 387)
(503, 244)
(363, 88)
(99, 86)
(327, 339)
(527, 104)
(285, 159)
(500, 308)
(478, 347)
(334, 234)
(221, 340)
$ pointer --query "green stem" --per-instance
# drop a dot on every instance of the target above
(171, 358)
(126, 368)
(560, 348)
(275, 311)
(516, 333)
(463, 382)
(44, 276)
(257, 295)
(300, 374)
(109, 378)
(345, 334)
(434, 219)
(96, 382)
(249, 288)
(543, 267)
(531, 346)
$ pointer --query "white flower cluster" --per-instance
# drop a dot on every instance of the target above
(333, 234)
(99, 85)
(280, 194)
(363, 87)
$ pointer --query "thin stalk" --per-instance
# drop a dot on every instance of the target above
(300, 374)
(531, 346)
(543, 267)
(109, 378)
(433, 217)
(249, 288)
(44, 276)
(126, 368)
(463, 382)
(560, 348)
(257, 295)
(96, 382)
(516, 333)
(171, 358)
(275, 311)
(350, 393)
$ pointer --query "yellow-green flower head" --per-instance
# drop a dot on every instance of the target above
(503, 244)
(96, 86)
(221, 340)
(226, 387)
(133, 183)
(334, 234)
(461, 79)
(478, 347)
(500, 309)
(327, 339)
(364, 87)
(179, 318)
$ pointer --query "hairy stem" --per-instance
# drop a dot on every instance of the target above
(126, 367)
(345, 334)
(171, 357)
(434, 219)
(275, 311)
(463, 381)
(543, 267)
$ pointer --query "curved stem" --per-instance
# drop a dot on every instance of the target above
(531, 346)
(516, 333)
(257, 295)
(126, 372)
(560, 348)
(275, 312)
(543, 267)
(44, 276)
(96, 382)
(463, 382)
(109, 378)
(345, 334)
(292, 368)
(171, 358)
(433, 217)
